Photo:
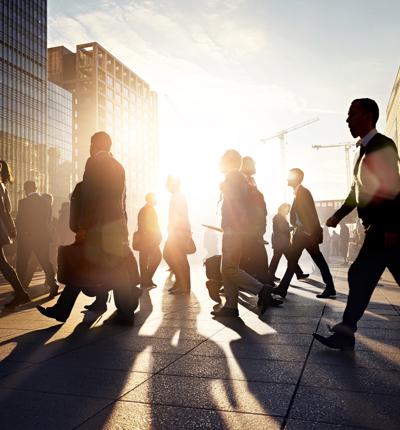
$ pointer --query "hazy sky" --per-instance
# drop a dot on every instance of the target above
(239, 71)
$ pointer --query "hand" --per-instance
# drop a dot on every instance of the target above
(13, 233)
(332, 221)
(390, 239)
(80, 235)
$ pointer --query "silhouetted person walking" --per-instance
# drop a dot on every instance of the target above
(281, 242)
(344, 240)
(307, 235)
(375, 194)
(34, 235)
(234, 222)
(179, 232)
(7, 234)
(149, 254)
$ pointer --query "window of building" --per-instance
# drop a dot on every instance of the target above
(110, 81)
(110, 105)
(118, 110)
(125, 103)
(110, 93)
(110, 117)
(118, 86)
(126, 92)
(118, 98)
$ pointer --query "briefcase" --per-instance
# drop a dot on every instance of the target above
(213, 268)
(81, 265)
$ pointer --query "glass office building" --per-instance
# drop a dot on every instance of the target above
(59, 142)
(23, 92)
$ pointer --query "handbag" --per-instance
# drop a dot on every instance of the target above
(190, 246)
(81, 265)
(138, 240)
(213, 268)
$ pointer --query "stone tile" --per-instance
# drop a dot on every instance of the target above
(206, 393)
(281, 372)
(346, 408)
(107, 384)
(272, 338)
(128, 415)
(309, 425)
(21, 410)
(374, 381)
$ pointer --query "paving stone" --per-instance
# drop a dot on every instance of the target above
(206, 393)
(128, 415)
(309, 425)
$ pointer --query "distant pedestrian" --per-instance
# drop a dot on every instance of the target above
(344, 241)
(335, 241)
(149, 253)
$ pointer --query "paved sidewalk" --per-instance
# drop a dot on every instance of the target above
(180, 369)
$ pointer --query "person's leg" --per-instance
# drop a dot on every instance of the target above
(259, 260)
(363, 276)
(42, 253)
(293, 258)
(274, 263)
(143, 264)
(393, 264)
(297, 270)
(183, 273)
(23, 254)
(155, 260)
(10, 275)
(66, 301)
(132, 266)
(169, 256)
(312, 248)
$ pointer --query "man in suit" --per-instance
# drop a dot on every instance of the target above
(375, 193)
(149, 254)
(234, 222)
(307, 235)
(33, 225)
(102, 223)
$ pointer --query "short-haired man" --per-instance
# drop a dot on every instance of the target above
(33, 223)
(307, 235)
(233, 222)
(376, 194)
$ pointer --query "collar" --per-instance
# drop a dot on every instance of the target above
(296, 189)
(365, 140)
(229, 171)
(97, 153)
(35, 192)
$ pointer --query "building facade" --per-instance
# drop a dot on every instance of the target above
(392, 128)
(59, 142)
(23, 92)
(112, 98)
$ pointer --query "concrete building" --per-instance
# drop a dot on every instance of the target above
(112, 98)
(392, 128)
(59, 142)
(23, 92)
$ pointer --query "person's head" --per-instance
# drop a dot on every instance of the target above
(49, 197)
(295, 177)
(151, 199)
(248, 166)
(30, 187)
(100, 141)
(230, 160)
(362, 117)
(173, 184)
(284, 209)
(5, 173)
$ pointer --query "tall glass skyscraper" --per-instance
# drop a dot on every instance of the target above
(23, 92)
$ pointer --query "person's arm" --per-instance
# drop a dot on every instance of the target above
(348, 206)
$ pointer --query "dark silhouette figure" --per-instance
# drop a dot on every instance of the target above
(326, 244)
(235, 192)
(102, 223)
(375, 193)
(307, 235)
(149, 254)
(254, 258)
(34, 235)
(344, 240)
(335, 240)
(65, 234)
(281, 242)
(7, 233)
(54, 234)
(179, 232)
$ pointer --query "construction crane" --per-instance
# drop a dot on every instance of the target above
(281, 136)
(347, 146)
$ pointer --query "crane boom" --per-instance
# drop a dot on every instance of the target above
(288, 130)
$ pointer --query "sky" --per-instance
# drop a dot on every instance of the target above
(239, 71)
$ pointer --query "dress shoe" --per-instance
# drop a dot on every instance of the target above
(50, 312)
(279, 291)
(213, 290)
(18, 300)
(275, 279)
(179, 290)
(327, 293)
(119, 320)
(54, 290)
(303, 276)
(336, 341)
(265, 297)
(96, 307)
(225, 313)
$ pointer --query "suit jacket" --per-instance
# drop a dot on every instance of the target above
(375, 191)
(148, 220)
(33, 219)
(304, 206)
(103, 213)
(280, 232)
